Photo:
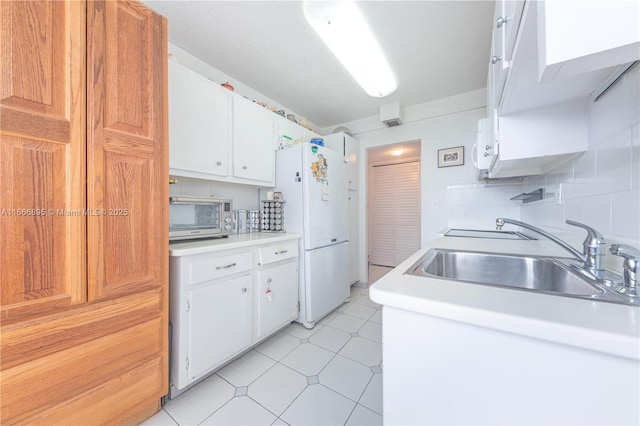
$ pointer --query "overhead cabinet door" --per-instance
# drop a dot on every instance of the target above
(253, 141)
(199, 123)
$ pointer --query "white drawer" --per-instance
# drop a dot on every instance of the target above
(276, 252)
(205, 268)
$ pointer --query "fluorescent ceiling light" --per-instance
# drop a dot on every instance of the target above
(397, 152)
(346, 33)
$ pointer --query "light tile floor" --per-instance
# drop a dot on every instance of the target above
(330, 375)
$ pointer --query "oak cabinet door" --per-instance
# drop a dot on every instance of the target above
(127, 170)
(42, 156)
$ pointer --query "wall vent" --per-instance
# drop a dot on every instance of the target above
(390, 114)
(393, 122)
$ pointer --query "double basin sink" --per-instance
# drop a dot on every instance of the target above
(539, 274)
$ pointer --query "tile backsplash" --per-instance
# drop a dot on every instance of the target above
(602, 186)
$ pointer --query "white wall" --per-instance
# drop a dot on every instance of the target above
(451, 192)
(601, 187)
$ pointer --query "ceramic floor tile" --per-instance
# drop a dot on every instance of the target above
(358, 310)
(246, 369)
(298, 330)
(277, 388)
(198, 403)
(241, 411)
(362, 416)
(366, 301)
(347, 377)
(318, 405)
(363, 350)
(372, 396)
(377, 317)
(346, 323)
(278, 346)
(327, 318)
(308, 359)
(161, 418)
(372, 331)
(330, 338)
(355, 293)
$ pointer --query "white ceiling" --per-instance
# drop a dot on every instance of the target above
(436, 49)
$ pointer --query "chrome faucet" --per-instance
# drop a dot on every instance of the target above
(592, 257)
(630, 267)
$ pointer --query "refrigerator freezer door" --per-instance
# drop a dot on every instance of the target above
(326, 280)
(325, 197)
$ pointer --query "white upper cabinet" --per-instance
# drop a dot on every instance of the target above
(548, 59)
(289, 133)
(253, 142)
(578, 37)
(505, 27)
(199, 125)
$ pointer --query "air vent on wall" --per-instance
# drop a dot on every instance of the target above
(390, 114)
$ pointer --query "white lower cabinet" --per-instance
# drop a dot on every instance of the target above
(277, 299)
(226, 303)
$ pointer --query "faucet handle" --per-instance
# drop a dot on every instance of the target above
(593, 246)
(630, 267)
(593, 236)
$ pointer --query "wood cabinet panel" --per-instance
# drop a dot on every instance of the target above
(123, 399)
(42, 156)
(128, 162)
(48, 381)
(41, 336)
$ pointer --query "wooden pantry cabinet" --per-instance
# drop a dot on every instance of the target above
(83, 203)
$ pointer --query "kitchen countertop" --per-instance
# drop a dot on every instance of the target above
(186, 248)
(594, 325)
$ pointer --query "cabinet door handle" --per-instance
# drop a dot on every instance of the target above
(501, 21)
(244, 289)
(244, 167)
(281, 252)
(496, 59)
(231, 265)
(268, 280)
(219, 163)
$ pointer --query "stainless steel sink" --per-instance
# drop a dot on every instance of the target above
(530, 273)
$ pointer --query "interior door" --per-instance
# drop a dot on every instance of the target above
(395, 213)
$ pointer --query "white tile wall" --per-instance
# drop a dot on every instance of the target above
(478, 205)
(602, 186)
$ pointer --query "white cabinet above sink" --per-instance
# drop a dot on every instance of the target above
(539, 123)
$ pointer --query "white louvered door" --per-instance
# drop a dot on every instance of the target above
(395, 213)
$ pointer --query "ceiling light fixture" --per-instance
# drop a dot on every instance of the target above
(397, 152)
(344, 30)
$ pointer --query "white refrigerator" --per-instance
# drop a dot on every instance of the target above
(312, 180)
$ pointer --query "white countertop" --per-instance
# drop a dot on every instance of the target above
(187, 248)
(610, 328)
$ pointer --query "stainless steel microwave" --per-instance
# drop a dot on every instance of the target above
(199, 217)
